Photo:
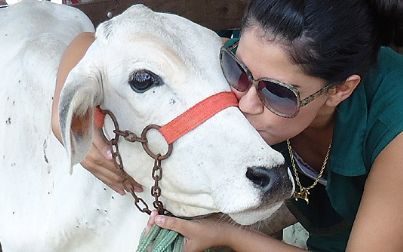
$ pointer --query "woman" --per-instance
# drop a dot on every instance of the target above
(342, 133)
(329, 98)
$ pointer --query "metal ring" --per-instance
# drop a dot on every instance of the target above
(147, 149)
(115, 124)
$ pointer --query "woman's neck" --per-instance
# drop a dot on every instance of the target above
(312, 143)
(323, 120)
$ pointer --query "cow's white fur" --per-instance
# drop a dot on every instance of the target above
(43, 207)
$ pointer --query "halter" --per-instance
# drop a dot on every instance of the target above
(171, 131)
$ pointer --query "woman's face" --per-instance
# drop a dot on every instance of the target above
(268, 59)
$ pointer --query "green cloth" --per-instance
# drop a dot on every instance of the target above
(365, 123)
(160, 240)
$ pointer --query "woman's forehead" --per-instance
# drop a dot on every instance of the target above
(265, 58)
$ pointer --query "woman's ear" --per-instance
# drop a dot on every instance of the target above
(342, 91)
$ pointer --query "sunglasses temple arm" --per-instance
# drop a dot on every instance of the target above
(312, 97)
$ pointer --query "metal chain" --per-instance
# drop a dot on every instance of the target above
(156, 189)
(303, 192)
(156, 171)
(138, 202)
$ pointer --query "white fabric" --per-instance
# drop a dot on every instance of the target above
(307, 170)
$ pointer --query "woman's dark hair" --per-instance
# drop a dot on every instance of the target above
(329, 39)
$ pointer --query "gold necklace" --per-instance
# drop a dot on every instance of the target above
(303, 192)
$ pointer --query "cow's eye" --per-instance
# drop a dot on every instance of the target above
(142, 80)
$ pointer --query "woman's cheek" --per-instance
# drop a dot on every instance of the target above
(237, 93)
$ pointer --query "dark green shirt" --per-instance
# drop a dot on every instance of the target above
(365, 123)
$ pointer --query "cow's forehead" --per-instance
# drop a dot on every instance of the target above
(177, 32)
(141, 38)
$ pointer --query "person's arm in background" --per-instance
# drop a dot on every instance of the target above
(99, 158)
(378, 225)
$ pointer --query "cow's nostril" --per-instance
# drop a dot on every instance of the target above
(260, 176)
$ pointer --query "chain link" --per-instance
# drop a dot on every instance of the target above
(130, 136)
(140, 204)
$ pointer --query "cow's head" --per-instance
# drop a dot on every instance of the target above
(147, 68)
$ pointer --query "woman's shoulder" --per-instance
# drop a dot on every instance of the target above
(390, 61)
(384, 91)
(386, 76)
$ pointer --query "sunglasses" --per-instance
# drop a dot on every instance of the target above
(280, 98)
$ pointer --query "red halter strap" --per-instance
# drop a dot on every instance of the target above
(197, 115)
(191, 118)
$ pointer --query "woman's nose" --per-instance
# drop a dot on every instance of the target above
(249, 101)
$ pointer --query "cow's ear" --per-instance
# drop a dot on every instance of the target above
(80, 94)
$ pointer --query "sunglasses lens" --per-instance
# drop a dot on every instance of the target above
(233, 72)
(279, 99)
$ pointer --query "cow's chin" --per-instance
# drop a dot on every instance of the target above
(252, 216)
(247, 217)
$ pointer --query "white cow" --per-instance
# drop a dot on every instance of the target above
(42, 206)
